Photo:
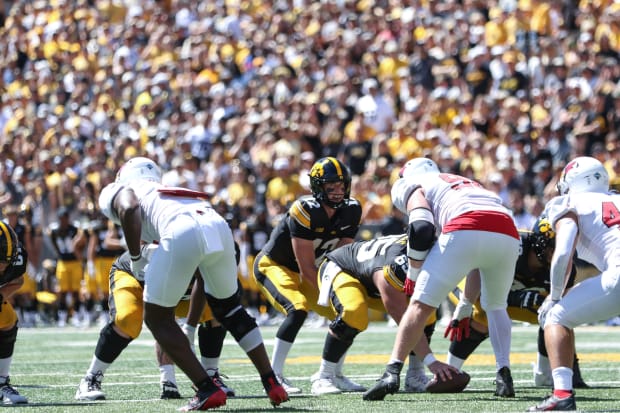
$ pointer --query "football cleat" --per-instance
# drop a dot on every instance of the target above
(9, 395)
(504, 386)
(542, 378)
(346, 384)
(555, 403)
(217, 379)
(276, 392)
(389, 383)
(169, 390)
(288, 386)
(324, 385)
(416, 381)
(207, 397)
(90, 388)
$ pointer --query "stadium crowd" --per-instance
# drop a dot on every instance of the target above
(239, 98)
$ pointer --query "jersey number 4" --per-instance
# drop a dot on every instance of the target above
(611, 214)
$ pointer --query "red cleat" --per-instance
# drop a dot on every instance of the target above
(205, 400)
(275, 391)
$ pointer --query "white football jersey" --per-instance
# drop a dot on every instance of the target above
(448, 196)
(158, 209)
(598, 240)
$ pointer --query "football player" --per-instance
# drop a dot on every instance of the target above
(126, 314)
(286, 267)
(476, 233)
(13, 259)
(529, 289)
(353, 279)
(585, 217)
(191, 235)
(68, 242)
(105, 244)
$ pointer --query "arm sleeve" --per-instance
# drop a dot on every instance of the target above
(565, 240)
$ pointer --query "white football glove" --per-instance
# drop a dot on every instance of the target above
(544, 309)
(137, 265)
(90, 268)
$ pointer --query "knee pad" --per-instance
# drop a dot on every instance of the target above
(343, 331)
(110, 345)
(464, 348)
(7, 342)
(291, 325)
(428, 332)
(236, 320)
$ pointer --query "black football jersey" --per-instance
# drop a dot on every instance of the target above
(527, 278)
(307, 219)
(63, 240)
(17, 268)
(362, 258)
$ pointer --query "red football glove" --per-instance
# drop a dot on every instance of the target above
(457, 329)
(409, 287)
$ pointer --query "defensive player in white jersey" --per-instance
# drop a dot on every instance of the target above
(190, 235)
(476, 234)
(586, 219)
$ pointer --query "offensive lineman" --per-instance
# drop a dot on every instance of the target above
(353, 279)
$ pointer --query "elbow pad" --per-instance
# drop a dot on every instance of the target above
(421, 233)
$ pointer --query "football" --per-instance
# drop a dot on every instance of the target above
(456, 385)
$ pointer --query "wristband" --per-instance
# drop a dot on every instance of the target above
(429, 359)
(135, 257)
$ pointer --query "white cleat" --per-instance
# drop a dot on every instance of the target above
(542, 379)
(324, 385)
(416, 381)
(90, 388)
(347, 385)
(288, 386)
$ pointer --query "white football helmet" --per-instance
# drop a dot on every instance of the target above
(139, 168)
(583, 174)
(418, 166)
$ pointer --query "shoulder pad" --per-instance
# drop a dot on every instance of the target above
(557, 207)
(401, 191)
(105, 201)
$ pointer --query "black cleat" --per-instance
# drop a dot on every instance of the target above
(169, 390)
(503, 383)
(389, 383)
(578, 382)
(555, 403)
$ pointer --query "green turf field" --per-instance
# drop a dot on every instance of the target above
(49, 362)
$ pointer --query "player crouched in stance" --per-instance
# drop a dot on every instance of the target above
(13, 259)
(191, 235)
(529, 289)
(353, 279)
(126, 315)
(585, 217)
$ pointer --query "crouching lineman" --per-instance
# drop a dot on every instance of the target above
(352, 279)
(126, 315)
(13, 259)
(529, 289)
(191, 235)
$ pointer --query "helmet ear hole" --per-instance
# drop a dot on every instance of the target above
(327, 170)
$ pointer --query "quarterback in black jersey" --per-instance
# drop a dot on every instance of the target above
(13, 259)
(353, 279)
(286, 267)
(529, 289)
